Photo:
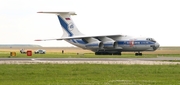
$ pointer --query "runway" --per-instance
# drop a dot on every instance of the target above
(91, 59)
(145, 61)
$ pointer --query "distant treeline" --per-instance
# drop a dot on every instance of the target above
(19, 45)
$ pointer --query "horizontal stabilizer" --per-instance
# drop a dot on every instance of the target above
(70, 13)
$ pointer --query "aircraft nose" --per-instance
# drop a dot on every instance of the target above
(157, 45)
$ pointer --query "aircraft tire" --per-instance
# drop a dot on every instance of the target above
(138, 54)
(97, 53)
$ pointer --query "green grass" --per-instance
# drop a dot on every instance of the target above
(89, 74)
(86, 55)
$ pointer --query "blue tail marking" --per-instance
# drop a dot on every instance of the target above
(65, 26)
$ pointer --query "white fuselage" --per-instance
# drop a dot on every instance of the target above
(123, 43)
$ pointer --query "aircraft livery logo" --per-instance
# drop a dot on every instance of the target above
(71, 26)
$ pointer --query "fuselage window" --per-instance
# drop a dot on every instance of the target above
(142, 42)
(137, 43)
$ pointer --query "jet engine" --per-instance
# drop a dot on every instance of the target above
(111, 44)
(95, 45)
(108, 44)
(103, 45)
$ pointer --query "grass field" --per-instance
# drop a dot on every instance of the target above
(72, 53)
(89, 74)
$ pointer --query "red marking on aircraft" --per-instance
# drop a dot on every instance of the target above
(131, 43)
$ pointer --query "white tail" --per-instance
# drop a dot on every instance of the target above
(69, 28)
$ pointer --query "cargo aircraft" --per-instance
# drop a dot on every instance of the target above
(102, 44)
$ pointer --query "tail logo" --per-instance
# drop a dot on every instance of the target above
(71, 26)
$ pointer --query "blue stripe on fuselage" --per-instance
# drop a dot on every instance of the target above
(64, 25)
(81, 42)
(78, 41)
(73, 40)
(138, 42)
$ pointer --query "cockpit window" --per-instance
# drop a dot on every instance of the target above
(151, 39)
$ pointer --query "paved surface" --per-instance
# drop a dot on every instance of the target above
(144, 61)
(90, 59)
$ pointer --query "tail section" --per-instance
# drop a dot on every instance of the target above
(68, 26)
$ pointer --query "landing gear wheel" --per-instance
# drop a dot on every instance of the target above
(106, 53)
(97, 53)
(138, 54)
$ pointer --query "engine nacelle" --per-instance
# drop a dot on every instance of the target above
(108, 44)
(95, 45)
(103, 45)
(111, 44)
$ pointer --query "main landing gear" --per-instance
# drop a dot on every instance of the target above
(106, 53)
(138, 54)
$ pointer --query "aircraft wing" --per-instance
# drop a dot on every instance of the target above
(44, 39)
(79, 37)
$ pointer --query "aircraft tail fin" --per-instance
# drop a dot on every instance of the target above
(67, 24)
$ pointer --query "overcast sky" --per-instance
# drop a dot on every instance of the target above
(21, 24)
